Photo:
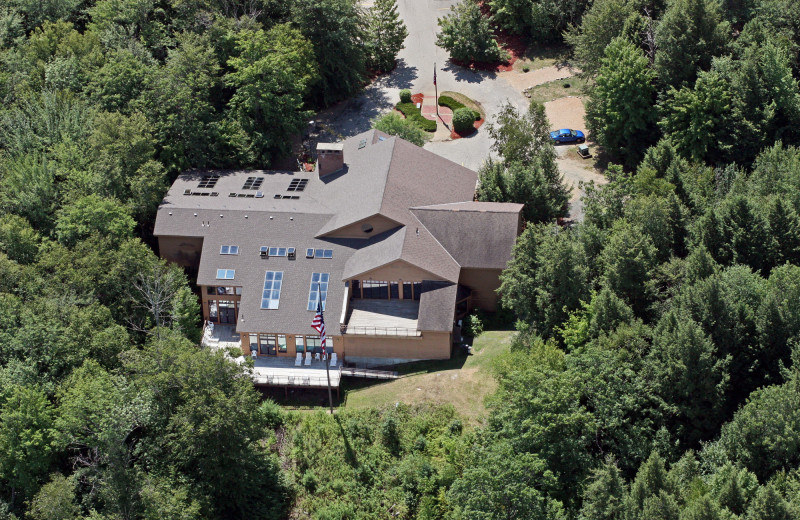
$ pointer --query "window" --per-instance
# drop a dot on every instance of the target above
(272, 289)
(310, 253)
(229, 250)
(208, 181)
(373, 289)
(212, 310)
(210, 290)
(253, 342)
(297, 185)
(225, 274)
(323, 253)
(394, 292)
(253, 183)
(417, 290)
(299, 347)
(281, 342)
(406, 290)
(277, 251)
(355, 288)
(312, 342)
(319, 289)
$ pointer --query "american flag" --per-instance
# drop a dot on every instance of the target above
(434, 74)
(318, 324)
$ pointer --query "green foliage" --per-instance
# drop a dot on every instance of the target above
(539, 20)
(690, 33)
(405, 96)
(385, 33)
(472, 325)
(93, 216)
(619, 111)
(452, 104)
(463, 120)
(394, 124)
(26, 439)
(414, 115)
(603, 21)
(466, 35)
(55, 500)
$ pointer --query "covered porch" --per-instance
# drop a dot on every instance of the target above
(373, 317)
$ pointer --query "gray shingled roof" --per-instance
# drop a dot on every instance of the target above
(382, 175)
(476, 234)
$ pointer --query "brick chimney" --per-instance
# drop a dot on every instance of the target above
(330, 158)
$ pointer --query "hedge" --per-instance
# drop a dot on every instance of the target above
(412, 113)
(452, 104)
(463, 119)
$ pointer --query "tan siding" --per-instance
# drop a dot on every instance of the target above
(398, 271)
(483, 283)
(431, 345)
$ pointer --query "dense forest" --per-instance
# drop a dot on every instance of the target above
(655, 373)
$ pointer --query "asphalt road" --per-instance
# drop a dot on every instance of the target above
(415, 72)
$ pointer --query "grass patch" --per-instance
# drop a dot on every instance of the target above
(463, 381)
(540, 56)
(452, 104)
(413, 114)
(574, 86)
(455, 100)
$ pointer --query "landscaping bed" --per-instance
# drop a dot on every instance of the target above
(454, 101)
(412, 113)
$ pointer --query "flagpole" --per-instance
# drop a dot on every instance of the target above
(327, 355)
(436, 87)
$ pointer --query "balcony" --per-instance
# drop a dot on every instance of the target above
(382, 318)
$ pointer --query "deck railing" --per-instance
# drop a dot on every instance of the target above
(301, 381)
(367, 330)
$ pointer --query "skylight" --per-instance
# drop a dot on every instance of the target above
(277, 251)
(323, 253)
(272, 289)
(225, 274)
(229, 250)
(318, 290)
(297, 185)
(253, 183)
(208, 181)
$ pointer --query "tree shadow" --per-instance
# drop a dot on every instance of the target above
(402, 76)
(349, 453)
(463, 74)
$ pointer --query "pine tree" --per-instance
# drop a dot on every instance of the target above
(784, 227)
(385, 33)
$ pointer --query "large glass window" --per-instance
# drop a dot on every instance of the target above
(312, 342)
(407, 290)
(417, 290)
(318, 290)
(373, 289)
(394, 292)
(212, 310)
(253, 342)
(355, 288)
(299, 346)
(272, 289)
(281, 342)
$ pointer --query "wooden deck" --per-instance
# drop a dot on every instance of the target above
(383, 318)
(281, 371)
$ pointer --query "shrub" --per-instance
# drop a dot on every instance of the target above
(309, 481)
(394, 124)
(473, 324)
(463, 120)
(526, 68)
(272, 413)
(405, 96)
(390, 436)
(453, 104)
(412, 113)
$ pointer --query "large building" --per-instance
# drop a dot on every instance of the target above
(385, 234)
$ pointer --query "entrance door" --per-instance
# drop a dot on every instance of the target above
(268, 345)
(227, 312)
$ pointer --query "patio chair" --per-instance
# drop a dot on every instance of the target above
(308, 359)
(316, 356)
(298, 360)
(290, 379)
(333, 359)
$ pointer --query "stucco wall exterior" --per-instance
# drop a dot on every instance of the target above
(431, 345)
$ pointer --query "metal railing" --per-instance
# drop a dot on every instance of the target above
(301, 381)
(366, 330)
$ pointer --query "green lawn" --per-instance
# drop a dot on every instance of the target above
(463, 381)
(574, 86)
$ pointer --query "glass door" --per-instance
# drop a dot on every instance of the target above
(227, 312)
(268, 345)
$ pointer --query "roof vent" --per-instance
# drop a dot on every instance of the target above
(187, 191)
(259, 194)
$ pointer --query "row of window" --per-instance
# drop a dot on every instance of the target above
(377, 289)
(212, 290)
(279, 251)
(270, 344)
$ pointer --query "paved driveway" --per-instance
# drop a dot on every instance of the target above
(415, 72)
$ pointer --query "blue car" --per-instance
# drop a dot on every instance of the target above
(565, 135)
